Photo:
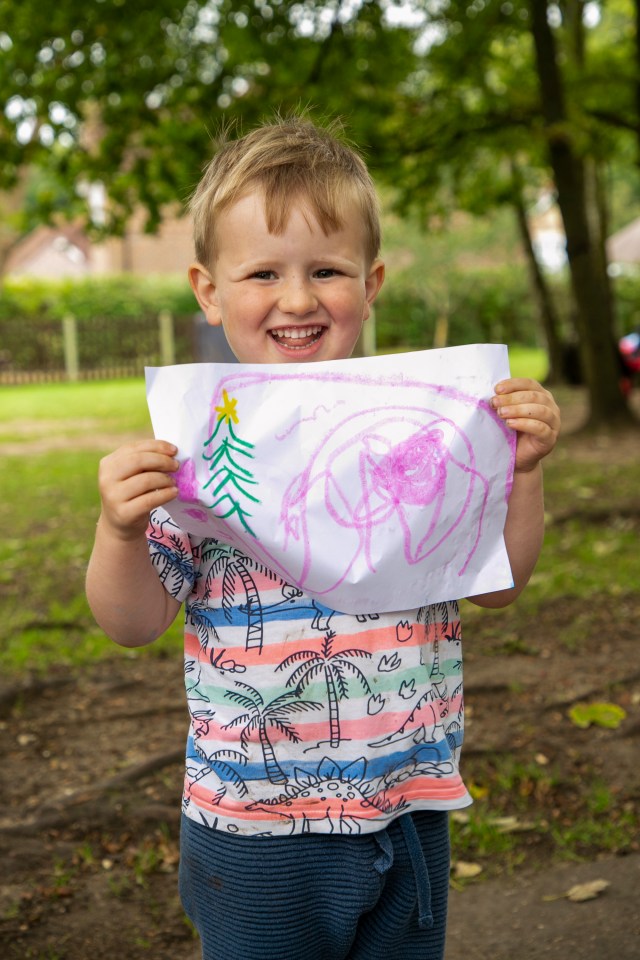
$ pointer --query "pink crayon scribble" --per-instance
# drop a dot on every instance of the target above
(413, 471)
(187, 484)
(201, 515)
(416, 476)
(314, 416)
(186, 481)
(396, 480)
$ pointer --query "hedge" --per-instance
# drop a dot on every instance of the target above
(117, 321)
(488, 306)
(480, 307)
(117, 316)
(119, 296)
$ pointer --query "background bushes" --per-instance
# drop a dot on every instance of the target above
(488, 306)
(117, 320)
(117, 317)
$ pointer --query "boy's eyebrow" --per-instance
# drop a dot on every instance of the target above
(322, 258)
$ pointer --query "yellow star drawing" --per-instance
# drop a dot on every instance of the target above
(228, 409)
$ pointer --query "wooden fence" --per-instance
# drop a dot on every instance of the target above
(106, 348)
(40, 351)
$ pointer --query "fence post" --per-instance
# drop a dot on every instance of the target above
(369, 335)
(366, 342)
(70, 347)
(167, 339)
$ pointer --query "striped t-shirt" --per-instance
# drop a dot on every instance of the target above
(304, 719)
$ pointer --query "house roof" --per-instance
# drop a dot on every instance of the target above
(65, 250)
(31, 248)
(624, 245)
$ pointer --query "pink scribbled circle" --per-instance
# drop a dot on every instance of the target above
(186, 481)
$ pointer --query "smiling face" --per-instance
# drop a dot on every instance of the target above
(294, 296)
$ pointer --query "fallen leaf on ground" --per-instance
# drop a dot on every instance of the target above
(460, 816)
(582, 891)
(601, 714)
(512, 824)
(462, 870)
(587, 891)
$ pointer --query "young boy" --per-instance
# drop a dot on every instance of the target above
(314, 825)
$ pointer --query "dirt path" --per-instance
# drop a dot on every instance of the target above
(529, 916)
(88, 830)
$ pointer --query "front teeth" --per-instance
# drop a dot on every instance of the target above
(296, 333)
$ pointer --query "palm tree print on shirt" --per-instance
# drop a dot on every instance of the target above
(435, 626)
(259, 716)
(333, 665)
(232, 565)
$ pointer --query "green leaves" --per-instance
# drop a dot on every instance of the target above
(159, 81)
(608, 715)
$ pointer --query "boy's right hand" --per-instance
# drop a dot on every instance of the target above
(133, 480)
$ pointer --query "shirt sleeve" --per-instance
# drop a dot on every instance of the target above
(171, 554)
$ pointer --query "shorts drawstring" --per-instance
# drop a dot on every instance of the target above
(420, 871)
(418, 865)
(385, 860)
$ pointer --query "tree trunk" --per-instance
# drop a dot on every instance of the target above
(541, 292)
(5, 250)
(334, 718)
(272, 766)
(594, 318)
(436, 675)
(254, 608)
(11, 233)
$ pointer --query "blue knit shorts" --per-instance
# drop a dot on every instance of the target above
(377, 896)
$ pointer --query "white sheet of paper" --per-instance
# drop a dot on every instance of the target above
(373, 485)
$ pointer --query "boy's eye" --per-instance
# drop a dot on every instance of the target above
(325, 273)
(263, 275)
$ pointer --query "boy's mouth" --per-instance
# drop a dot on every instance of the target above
(296, 338)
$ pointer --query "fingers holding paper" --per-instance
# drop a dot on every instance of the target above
(133, 480)
(532, 412)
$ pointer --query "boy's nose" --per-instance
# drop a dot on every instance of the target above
(297, 298)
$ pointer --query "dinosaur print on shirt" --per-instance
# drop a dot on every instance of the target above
(305, 719)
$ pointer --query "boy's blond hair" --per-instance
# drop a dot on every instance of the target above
(289, 160)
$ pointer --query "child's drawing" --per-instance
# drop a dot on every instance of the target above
(375, 484)
(405, 471)
(229, 480)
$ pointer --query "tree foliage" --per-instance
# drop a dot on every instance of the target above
(130, 95)
(464, 103)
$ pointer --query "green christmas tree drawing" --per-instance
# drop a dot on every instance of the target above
(229, 481)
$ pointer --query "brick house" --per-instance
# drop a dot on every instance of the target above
(64, 250)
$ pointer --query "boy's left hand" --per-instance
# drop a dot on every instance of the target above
(531, 411)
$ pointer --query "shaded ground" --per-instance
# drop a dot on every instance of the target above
(88, 826)
(528, 918)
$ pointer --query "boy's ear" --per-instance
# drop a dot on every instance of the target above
(204, 288)
(372, 285)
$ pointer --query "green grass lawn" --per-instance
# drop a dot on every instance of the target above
(48, 513)
(527, 362)
(72, 409)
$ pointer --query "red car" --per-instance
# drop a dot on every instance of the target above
(629, 347)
